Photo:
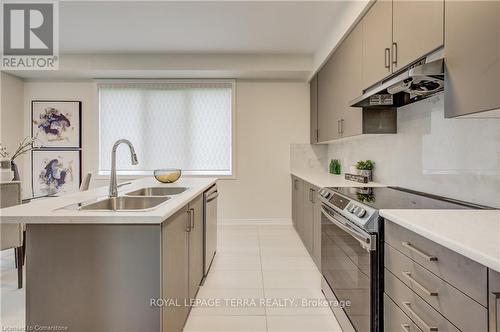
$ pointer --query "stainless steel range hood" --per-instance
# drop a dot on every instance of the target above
(418, 81)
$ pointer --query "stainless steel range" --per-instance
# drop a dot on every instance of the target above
(352, 248)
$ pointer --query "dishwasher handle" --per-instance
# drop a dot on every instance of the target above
(212, 196)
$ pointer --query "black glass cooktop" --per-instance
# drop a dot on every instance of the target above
(400, 198)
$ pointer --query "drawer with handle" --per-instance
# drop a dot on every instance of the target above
(461, 272)
(458, 308)
(420, 312)
(395, 320)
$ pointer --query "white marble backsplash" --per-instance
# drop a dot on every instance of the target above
(308, 158)
(457, 158)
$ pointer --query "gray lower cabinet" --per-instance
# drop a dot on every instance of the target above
(316, 250)
(494, 300)
(472, 46)
(98, 277)
(395, 320)
(195, 245)
(182, 270)
(310, 201)
(306, 216)
(297, 204)
(438, 289)
(175, 270)
(115, 277)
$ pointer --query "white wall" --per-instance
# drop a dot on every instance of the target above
(457, 158)
(82, 91)
(269, 117)
(11, 113)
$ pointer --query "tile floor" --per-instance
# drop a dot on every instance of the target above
(257, 272)
(267, 263)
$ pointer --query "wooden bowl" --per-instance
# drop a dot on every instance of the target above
(167, 175)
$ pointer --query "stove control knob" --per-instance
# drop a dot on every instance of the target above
(361, 213)
(355, 209)
(351, 208)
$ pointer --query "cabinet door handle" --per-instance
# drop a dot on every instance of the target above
(408, 276)
(338, 127)
(191, 215)
(409, 246)
(295, 184)
(188, 221)
(395, 54)
(387, 58)
(417, 317)
(342, 127)
(317, 135)
(405, 327)
(313, 196)
(494, 297)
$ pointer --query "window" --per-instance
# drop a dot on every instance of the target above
(182, 125)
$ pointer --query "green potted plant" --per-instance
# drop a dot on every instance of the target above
(365, 168)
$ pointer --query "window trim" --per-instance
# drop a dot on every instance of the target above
(130, 175)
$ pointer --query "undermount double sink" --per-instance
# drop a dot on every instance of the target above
(137, 200)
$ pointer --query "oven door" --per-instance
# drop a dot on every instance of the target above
(348, 264)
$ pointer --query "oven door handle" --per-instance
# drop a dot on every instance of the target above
(366, 240)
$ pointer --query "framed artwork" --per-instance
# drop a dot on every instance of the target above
(57, 124)
(55, 172)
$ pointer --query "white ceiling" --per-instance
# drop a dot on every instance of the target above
(258, 27)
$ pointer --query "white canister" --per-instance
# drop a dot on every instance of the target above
(6, 173)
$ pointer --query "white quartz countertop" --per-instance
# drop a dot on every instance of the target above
(322, 180)
(472, 233)
(49, 210)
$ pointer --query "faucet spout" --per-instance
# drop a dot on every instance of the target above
(113, 188)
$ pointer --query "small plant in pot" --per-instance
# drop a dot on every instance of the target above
(365, 168)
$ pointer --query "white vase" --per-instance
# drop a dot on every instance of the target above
(6, 173)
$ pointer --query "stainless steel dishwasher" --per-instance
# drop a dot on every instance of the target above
(210, 224)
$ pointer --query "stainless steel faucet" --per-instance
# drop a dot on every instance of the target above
(113, 188)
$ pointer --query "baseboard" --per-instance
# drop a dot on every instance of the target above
(267, 221)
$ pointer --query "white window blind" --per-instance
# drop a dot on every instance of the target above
(171, 125)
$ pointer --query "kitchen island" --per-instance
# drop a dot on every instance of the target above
(98, 270)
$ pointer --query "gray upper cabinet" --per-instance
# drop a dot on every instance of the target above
(384, 41)
(351, 77)
(340, 81)
(377, 41)
(313, 96)
(328, 112)
(472, 47)
(417, 30)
